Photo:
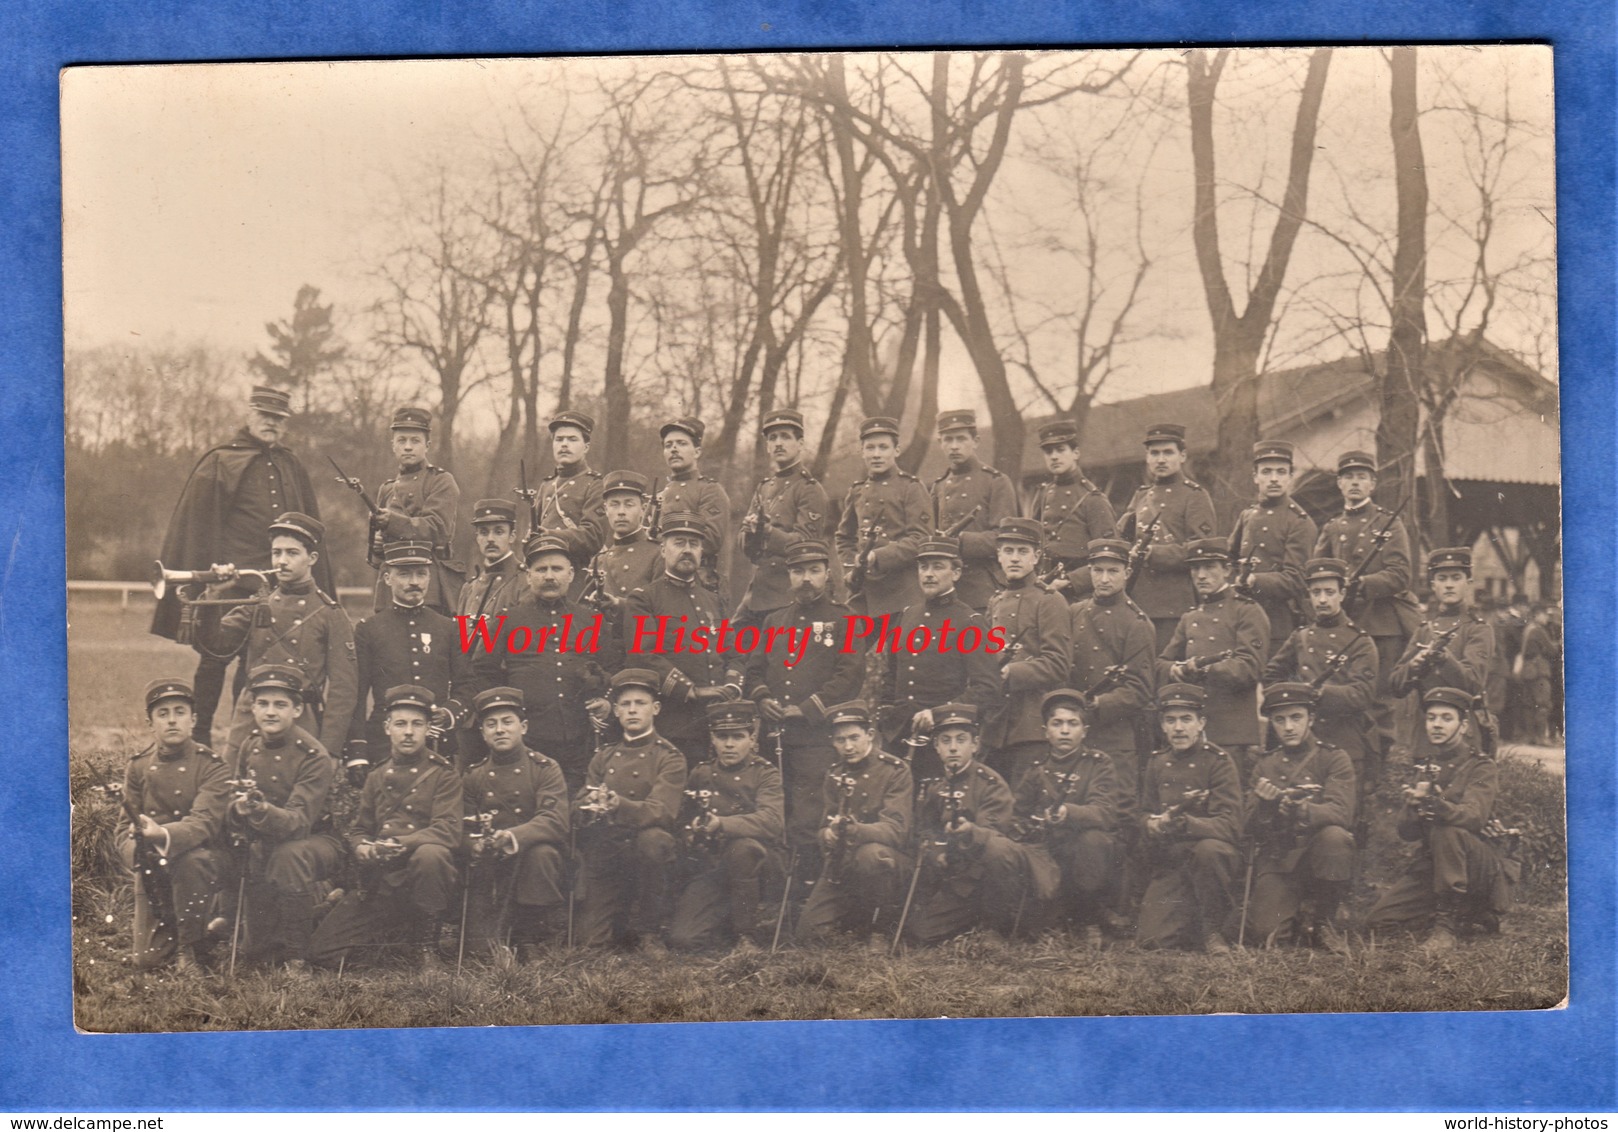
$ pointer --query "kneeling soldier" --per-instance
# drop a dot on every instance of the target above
(403, 838)
(1300, 813)
(868, 799)
(1458, 876)
(518, 800)
(976, 873)
(626, 813)
(277, 818)
(1193, 808)
(1068, 808)
(735, 828)
(174, 794)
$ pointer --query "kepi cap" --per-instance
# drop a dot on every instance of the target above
(1160, 432)
(1013, 529)
(1290, 694)
(168, 688)
(691, 426)
(876, 426)
(1058, 432)
(1273, 450)
(306, 528)
(407, 552)
(852, 711)
(1450, 558)
(682, 523)
(1356, 458)
(1325, 568)
(953, 419)
(636, 678)
(625, 480)
(494, 699)
(542, 542)
(1207, 550)
(731, 716)
(1182, 696)
(584, 422)
(779, 418)
(282, 676)
(268, 399)
(1051, 700)
(808, 550)
(1460, 700)
(1114, 548)
(494, 511)
(412, 417)
(410, 695)
(940, 548)
(955, 715)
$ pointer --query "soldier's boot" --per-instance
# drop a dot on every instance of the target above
(532, 929)
(424, 943)
(297, 925)
(1214, 944)
(1323, 925)
(1441, 939)
(187, 961)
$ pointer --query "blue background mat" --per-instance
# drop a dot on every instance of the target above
(1550, 1060)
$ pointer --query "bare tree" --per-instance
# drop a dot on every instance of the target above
(1400, 414)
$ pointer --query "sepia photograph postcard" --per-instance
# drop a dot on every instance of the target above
(854, 535)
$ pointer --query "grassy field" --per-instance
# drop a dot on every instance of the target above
(111, 658)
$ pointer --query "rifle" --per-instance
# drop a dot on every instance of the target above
(700, 844)
(151, 867)
(244, 788)
(786, 893)
(1189, 801)
(1378, 541)
(1428, 656)
(915, 878)
(1140, 550)
(596, 595)
(529, 493)
(1334, 662)
(374, 543)
(962, 523)
(837, 858)
(657, 510)
(1196, 667)
(1056, 574)
(481, 850)
(755, 527)
(862, 560)
(1036, 826)
(1109, 676)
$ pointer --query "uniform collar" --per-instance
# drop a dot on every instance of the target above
(508, 759)
(501, 565)
(945, 598)
(1332, 622)
(307, 587)
(782, 473)
(409, 610)
(1168, 481)
(642, 740)
(421, 467)
(185, 750)
(683, 477)
(1066, 478)
(1215, 597)
(965, 469)
(1271, 504)
(1109, 601)
(245, 437)
(1302, 752)
(579, 469)
(683, 583)
(1359, 509)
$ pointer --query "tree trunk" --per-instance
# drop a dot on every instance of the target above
(1402, 377)
(615, 393)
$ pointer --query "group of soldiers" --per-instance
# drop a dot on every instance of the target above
(1178, 742)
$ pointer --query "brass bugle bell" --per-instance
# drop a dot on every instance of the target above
(162, 578)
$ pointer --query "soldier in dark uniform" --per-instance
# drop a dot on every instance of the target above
(420, 504)
(1193, 820)
(1379, 600)
(403, 839)
(788, 506)
(690, 680)
(177, 789)
(1541, 658)
(1038, 654)
(407, 643)
(1071, 510)
(568, 503)
(519, 802)
(1300, 812)
(1459, 877)
(915, 683)
(236, 490)
(631, 558)
(735, 829)
(278, 818)
(538, 651)
(1183, 513)
(625, 816)
(795, 682)
(1221, 644)
(494, 528)
(886, 518)
(688, 491)
(869, 798)
(300, 625)
(972, 492)
(1334, 650)
(1462, 659)
(1272, 540)
(1068, 810)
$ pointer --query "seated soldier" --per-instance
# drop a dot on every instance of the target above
(1193, 818)
(735, 828)
(403, 839)
(625, 814)
(1459, 877)
(868, 802)
(1068, 809)
(517, 804)
(974, 872)
(278, 821)
(1300, 814)
(174, 794)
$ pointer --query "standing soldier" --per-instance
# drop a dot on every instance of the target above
(690, 492)
(235, 491)
(795, 682)
(1221, 644)
(174, 793)
(631, 558)
(972, 493)
(1193, 805)
(868, 801)
(567, 505)
(560, 682)
(689, 681)
(420, 504)
(1458, 876)
(1166, 514)
(494, 528)
(407, 643)
(1071, 510)
(625, 815)
(1379, 599)
(1272, 540)
(1300, 811)
(915, 683)
(734, 829)
(1068, 807)
(975, 873)
(886, 517)
(1454, 645)
(1038, 652)
(403, 839)
(1538, 662)
(788, 506)
(1338, 660)
(519, 801)
(282, 780)
(301, 625)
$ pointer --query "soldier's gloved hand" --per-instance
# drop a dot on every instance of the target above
(922, 722)
(1057, 814)
(365, 852)
(504, 842)
(443, 722)
(1158, 824)
(598, 710)
(771, 709)
(1266, 790)
(793, 712)
(149, 829)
